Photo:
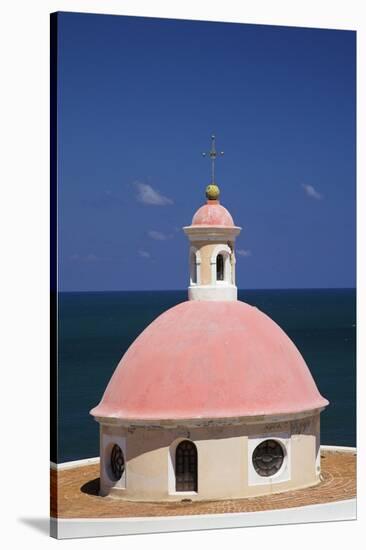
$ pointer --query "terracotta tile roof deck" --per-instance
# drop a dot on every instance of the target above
(77, 494)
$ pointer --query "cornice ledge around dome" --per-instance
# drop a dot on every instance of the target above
(211, 232)
(155, 423)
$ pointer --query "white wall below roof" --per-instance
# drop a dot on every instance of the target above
(213, 293)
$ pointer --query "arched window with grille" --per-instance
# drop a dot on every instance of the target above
(186, 466)
(193, 268)
(220, 268)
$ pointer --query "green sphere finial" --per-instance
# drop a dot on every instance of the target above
(212, 192)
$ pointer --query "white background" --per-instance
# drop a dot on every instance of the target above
(24, 219)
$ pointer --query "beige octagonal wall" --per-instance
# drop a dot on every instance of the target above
(224, 459)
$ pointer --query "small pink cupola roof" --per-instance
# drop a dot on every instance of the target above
(213, 213)
(210, 360)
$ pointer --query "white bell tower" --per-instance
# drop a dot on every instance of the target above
(212, 235)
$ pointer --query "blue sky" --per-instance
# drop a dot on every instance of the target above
(138, 101)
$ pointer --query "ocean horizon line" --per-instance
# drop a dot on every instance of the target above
(185, 290)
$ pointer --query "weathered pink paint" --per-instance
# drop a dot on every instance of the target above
(210, 360)
(213, 213)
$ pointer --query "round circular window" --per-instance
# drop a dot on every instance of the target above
(268, 458)
(117, 462)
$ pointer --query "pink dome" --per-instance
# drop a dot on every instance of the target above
(212, 213)
(204, 359)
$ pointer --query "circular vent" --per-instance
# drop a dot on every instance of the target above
(117, 462)
(268, 458)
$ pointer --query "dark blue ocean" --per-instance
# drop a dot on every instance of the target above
(96, 328)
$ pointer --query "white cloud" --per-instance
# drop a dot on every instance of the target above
(311, 192)
(148, 195)
(158, 235)
(244, 253)
(144, 254)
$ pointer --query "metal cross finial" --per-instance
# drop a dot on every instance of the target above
(213, 154)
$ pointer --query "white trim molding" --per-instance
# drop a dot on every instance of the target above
(75, 463)
(211, 233)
